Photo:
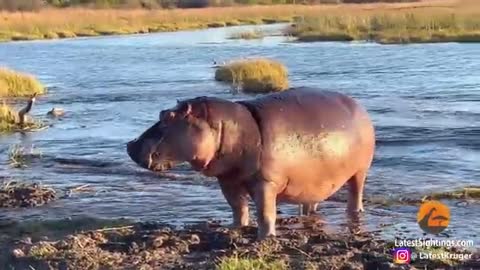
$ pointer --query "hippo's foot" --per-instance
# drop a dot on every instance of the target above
(264, 233)
(354, 210)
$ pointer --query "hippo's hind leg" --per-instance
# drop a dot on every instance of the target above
(307, 209)
(237, 198)
(356, 184)
(265, 197)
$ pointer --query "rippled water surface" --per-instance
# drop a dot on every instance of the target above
(424, 99)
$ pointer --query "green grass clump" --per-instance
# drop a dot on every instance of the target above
(254, 75)
(472, 192)
(236, 263)
(254, 34)
(17, 84)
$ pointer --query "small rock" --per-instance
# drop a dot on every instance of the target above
(133, 247)
(157, 242)
(26, 240)
(43, 238)
(243, 241)
(194, 239)
(17, 253)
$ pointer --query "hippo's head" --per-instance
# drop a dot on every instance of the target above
(181, 134)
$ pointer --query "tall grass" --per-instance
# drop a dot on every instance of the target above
(18, 84)
(254, 75)
(443, 22)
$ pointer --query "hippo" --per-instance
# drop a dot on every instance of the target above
(298, 146)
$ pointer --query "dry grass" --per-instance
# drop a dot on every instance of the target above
(18, 84)
(336, 21)
(441, 21)
(254, 75)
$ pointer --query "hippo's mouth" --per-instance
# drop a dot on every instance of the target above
(156, 164)
(160, 167)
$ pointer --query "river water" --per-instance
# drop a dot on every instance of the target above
(424, 100)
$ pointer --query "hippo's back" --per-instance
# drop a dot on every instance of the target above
(308, 130)
(306, 110)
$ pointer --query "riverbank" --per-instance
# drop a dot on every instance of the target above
(211, 245)
(441, 20)
(458, 22)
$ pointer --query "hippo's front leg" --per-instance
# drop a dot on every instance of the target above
(265, 197)
(237, 197)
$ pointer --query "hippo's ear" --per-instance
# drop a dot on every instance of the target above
(197, 110)
(166, 115)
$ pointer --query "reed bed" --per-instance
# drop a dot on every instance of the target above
(385, 22)
(444, 22)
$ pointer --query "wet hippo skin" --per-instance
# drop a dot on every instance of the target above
(299, 146)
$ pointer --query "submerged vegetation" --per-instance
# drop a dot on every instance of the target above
(254, 75)
(425, 21)
(19, 156)
(253, 34)
(18, 84)
(454, 22)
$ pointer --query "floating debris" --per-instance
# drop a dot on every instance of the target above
(56, 112)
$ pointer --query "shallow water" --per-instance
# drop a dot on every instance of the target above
(424, 100)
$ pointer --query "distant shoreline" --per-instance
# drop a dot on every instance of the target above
(417, 22)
